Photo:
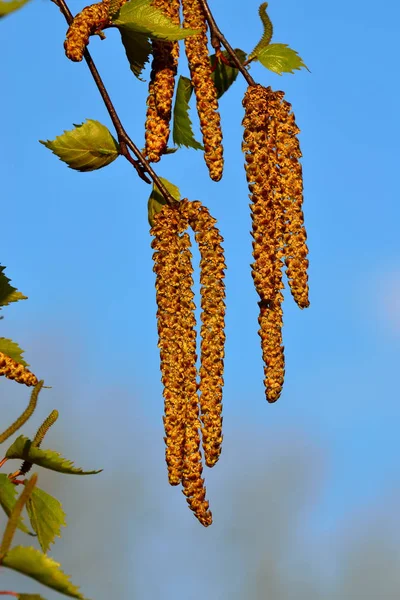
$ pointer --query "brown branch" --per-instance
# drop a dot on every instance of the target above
(217, 36)
(141, 165)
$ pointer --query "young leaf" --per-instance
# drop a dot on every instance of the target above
(88, 147)
(8, 7)
(8, 497)
(8, 293)
(279, 58)
(15, 516)
(46, 516)
(223, 75)
(12, 350)
(33, 563)
(182, 132)
(137, 48)
(268, 31)
(22, 448)
(141, 16)
(30, 597)
(157, 201)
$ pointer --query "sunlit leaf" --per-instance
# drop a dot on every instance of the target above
(137, 48)
(142, 17)
(46, 516)
(12, 350)
(39, 566)
(224, 75)
(279, 58)
(10, 6)
(8, 293)
(8, 496)
(157, 201)
(182, 132)
(88, 147)
(49, 459)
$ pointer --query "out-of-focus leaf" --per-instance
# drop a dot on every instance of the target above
(8, 496)
(30, 597)
(157, 201)
(46, 516)
(39, 566)
(182, 132)
(88, 147)
(12, 350)
(142, 17)
(8, 293)
(22, 448)
(10, 6)
(137, 48)
(279, 58)
(223, 75)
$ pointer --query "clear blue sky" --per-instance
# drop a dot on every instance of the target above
(78, 244)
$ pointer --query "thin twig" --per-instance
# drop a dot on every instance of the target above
(216, 34)
(142, 166)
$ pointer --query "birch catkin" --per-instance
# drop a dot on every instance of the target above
(204, 88)
(90, 21)
(161, 87)
(11, 369)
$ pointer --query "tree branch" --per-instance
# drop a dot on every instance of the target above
(142, 166)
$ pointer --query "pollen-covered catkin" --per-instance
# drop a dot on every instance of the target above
(161, 87)
(168, 282)
(204, 88)
(212, 273)
(11, 369)
(90, 21)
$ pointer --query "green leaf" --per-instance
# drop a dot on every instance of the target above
(8, 494)
(8, 293)
(157, 201)
(8, 7)
(182, 132)
(46, 516)
(142, 17)
(12, 350)
(88, 147)
(268, 31)
(22, 448)
(137, 48)
(33, 563)
(279, 58)
(223, 75)
(30, 597)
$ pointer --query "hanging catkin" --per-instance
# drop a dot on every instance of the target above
(204, 88)
(11, 369)
(212, 267)
(161, 87)
(90, 21)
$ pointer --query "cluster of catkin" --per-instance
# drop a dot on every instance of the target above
(192, 397)
(274, 175)
(12, 369)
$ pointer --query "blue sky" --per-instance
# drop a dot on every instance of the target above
(78, 244)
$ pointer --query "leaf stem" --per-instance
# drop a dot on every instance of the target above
(216, 34)
(141, 165)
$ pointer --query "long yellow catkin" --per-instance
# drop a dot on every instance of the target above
(212, 273)
(11, 369)
(205, 91)
(161, 87)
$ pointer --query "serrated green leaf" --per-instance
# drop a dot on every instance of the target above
(8, 496)
(279, 58)
(39, 566)
(8, 293)
(137, 48)
(30, 597)
(142, 17)
(49, 459)
(156, 200)
(223, 75)
(46, 516)
(8, 7)
(268, 31)
(88, 147)
(182, 132)
(12, 350)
